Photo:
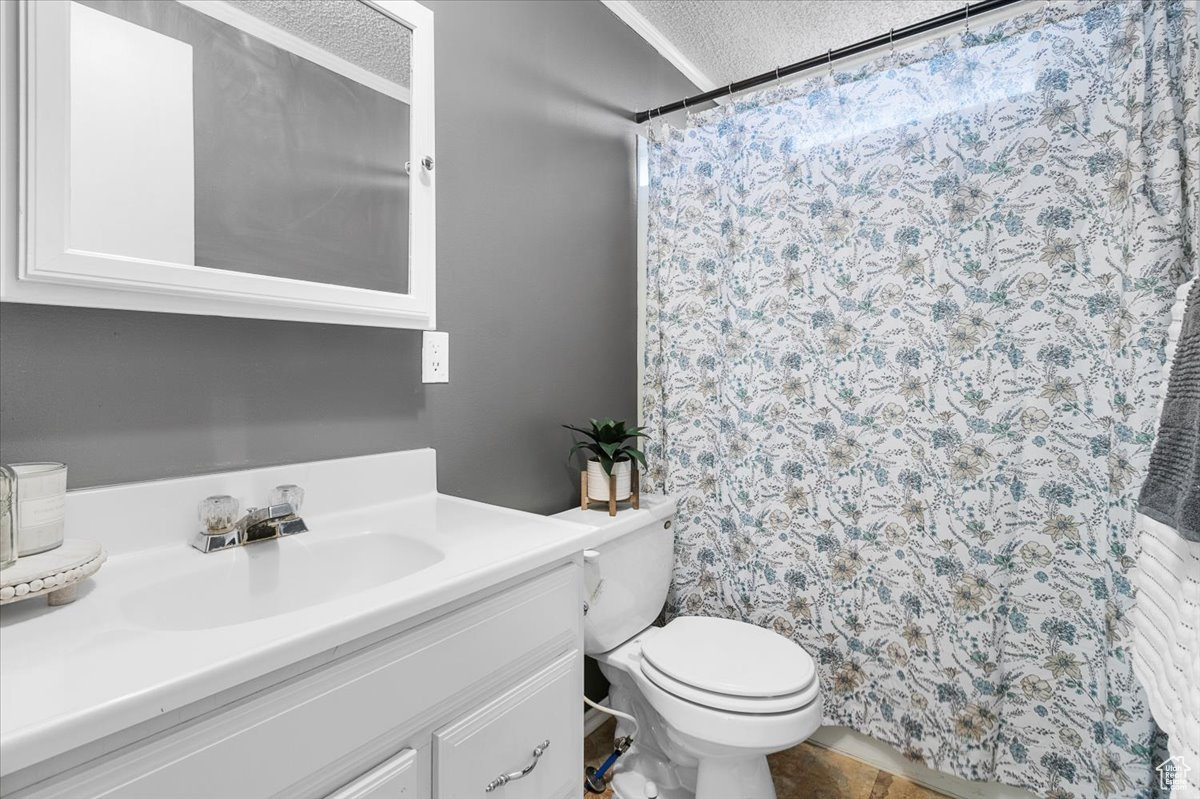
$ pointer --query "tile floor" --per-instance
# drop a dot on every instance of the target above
(804, 772)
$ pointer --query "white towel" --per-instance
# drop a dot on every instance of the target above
(1166, 634)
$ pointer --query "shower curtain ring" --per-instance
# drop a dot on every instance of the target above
(967, 18)
(778, 80)
(892, 41)
(829, 58)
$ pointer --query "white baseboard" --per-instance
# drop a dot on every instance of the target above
(846, 741)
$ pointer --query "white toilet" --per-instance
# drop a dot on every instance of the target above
(712, 697)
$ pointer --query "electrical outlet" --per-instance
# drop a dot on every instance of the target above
(435, 357)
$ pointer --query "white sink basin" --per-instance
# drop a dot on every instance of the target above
(265, 579)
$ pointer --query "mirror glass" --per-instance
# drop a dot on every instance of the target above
(260, 136)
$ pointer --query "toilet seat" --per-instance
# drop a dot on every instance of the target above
(730, 665)
(735, 704)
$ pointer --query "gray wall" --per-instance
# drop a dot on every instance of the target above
(536, 259)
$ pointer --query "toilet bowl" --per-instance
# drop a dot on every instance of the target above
(712, 697)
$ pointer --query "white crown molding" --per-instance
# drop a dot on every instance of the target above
(665, 47)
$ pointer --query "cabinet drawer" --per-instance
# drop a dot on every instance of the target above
(500, 738)
(396, 778)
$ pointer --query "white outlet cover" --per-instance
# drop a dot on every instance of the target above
(435, 357)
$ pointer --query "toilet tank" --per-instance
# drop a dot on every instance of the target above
(628, 570)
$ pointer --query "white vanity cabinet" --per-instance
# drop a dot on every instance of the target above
(398, 777)
(441, 708)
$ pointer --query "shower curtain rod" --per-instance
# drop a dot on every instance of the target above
(916, 29)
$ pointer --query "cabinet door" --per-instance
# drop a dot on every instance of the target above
(500, 738)
(395, 778)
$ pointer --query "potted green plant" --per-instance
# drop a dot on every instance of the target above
(613, 446)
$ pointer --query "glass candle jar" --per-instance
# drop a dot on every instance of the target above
(42, 506)
(8, 517)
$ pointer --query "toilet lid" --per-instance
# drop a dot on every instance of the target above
(729, 657)
(734, 704)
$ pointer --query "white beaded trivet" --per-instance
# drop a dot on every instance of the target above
(55, 575)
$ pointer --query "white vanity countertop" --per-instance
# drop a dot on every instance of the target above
(74, 674)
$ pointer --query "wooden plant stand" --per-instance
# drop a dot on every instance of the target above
(585, 501)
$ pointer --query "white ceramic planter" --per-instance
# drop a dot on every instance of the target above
(598, 481)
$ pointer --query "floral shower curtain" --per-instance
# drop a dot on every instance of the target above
(905, 338)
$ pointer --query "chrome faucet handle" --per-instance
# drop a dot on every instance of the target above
(220, 528)
(290, 493)
(218, 514)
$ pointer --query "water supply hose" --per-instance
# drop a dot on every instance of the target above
(593, 778)
(616, 713)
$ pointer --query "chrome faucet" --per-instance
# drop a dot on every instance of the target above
(223, 529)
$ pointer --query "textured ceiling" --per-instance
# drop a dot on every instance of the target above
(733, 39)
(347, 28)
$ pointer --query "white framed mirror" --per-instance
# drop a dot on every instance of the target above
(251, 158)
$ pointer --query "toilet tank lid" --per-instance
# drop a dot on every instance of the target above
(730, 657)
(654, 507)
